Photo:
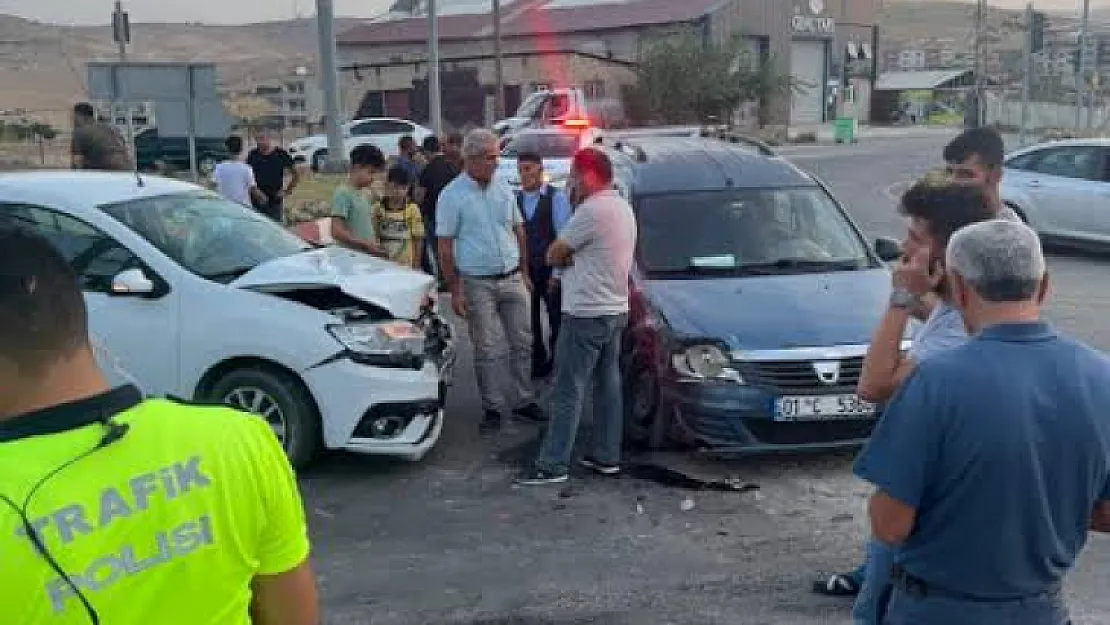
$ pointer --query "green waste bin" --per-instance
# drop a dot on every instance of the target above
(844, 130)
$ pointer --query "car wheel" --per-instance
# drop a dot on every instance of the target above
(282, 401)
(647, 417)
(318, 160)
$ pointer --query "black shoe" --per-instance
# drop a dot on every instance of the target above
(600, 468)
(540, 477)
(532, 412)
(542, 370)
(491, 422)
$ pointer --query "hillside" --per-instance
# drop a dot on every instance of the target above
(907, 20)
(42, 66)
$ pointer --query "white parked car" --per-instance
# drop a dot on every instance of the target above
(555, 147)
(384, 132)
(1062, 189)
(200, 298)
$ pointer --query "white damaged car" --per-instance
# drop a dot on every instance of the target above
(200, 298)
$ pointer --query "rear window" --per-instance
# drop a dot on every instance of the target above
(546, 145)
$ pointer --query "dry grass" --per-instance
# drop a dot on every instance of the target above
(312, 197)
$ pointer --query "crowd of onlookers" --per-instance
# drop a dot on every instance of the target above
(990, 461)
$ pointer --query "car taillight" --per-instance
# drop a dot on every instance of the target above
(576, 123)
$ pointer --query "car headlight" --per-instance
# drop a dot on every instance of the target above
(385, 344)
(704, 362)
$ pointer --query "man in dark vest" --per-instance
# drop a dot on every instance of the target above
(545, 210)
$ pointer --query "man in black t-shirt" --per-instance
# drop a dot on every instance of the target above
(440, 170)
(270, 164)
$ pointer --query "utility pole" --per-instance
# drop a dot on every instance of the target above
(1027, 79)
(435, 91)
(325, 24)
(1081, 77)
(121, 33)
(499, 94)
(980, 23)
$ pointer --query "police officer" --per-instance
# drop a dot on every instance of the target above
(115, 509)
(545, 210)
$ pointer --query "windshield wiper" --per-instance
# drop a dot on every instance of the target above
(229, 274)
(784, 265)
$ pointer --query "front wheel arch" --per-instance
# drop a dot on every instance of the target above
(1018, 211)
(304, 448)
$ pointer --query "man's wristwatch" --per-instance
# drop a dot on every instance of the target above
(902, 299)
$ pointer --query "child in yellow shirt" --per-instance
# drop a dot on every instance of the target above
(400, 227)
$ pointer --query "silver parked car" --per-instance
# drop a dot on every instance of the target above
(1062, 189)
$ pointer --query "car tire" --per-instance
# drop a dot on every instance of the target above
(647, 417)
(318, 159)
(301, 420)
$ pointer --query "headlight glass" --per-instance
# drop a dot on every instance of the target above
(704, 362)
(390, 338)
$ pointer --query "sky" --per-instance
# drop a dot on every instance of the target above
(239, 11)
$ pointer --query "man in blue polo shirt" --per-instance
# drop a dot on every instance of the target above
(993, 459)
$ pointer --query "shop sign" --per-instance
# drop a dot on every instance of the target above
(810, 19)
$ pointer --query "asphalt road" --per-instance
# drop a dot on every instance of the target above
(450, 541)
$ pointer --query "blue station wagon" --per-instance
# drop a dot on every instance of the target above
(754, 297)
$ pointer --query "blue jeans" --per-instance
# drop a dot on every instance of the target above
(587, 353)
(874, 593)
(1046, 609)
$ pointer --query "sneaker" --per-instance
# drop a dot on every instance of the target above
(491, 422)
(540, 477)
(600, 468)
(532, 412)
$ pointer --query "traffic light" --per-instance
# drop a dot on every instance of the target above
(1036, 31)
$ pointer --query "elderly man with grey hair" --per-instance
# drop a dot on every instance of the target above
(481, 246)
(992, 461)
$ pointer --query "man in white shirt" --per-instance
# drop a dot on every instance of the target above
(595, 248)
(234, 179)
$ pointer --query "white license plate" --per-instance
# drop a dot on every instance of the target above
(821, 407)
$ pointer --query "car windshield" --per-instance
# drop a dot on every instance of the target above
(545, 145)
(206, 234)
(530, 108)
(747, 232)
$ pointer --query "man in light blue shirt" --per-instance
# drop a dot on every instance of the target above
(545, 210)
(483, 255)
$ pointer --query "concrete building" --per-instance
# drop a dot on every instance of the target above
(296, 100)
(596, 45)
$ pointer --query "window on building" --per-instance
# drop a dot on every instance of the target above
(594, 89)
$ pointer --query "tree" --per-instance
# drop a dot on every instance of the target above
(682, 79)
(248, 111)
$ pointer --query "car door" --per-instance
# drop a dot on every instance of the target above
(139, 331)
(1067, 184)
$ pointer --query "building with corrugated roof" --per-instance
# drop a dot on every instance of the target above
(595, 44)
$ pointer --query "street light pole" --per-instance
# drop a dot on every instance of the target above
(325, 25)
(980, 24)
(435, 92)
(1081, 77)
(121, 32)
(499, 95)
(1027, 79)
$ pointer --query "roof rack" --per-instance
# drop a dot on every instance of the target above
(732, 137)
(631, 150)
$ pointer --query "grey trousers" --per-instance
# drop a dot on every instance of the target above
(500, 323)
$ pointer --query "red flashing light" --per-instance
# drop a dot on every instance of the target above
(576, 123)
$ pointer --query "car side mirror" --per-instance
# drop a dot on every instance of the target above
(888, 249)
(132, 283)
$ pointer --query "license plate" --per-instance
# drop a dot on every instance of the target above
(821, 407)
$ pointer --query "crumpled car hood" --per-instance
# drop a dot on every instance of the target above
(392, 287)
